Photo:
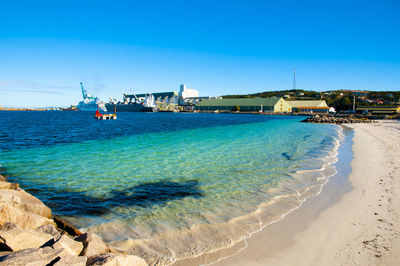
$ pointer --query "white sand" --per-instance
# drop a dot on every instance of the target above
(362, 228)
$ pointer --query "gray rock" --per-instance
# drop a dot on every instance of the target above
(18, 239)
(71, 261)
(111, 259)
(92, 244)
(31, 257)
(70, 246)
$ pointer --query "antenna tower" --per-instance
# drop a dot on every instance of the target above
(294, 79)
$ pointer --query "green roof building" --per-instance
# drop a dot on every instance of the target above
(273, 104)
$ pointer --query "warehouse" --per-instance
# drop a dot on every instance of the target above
(313, 106)
(379, 110)
(273, 104)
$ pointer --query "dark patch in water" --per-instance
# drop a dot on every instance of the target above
(143, 195)
(286, 155)
(306, 137)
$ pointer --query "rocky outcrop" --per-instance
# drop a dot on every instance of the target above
(71, 261)
(32, 257)
(336, 120)
(16, 238)
(67, 227)
(49, 229)
(30, 236)
(92, 244)
(21, 218)
(111, 259)
(6, 185)
(24, 201)
(70, 246)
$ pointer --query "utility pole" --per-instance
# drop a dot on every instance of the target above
(354, 104)
(294, 79)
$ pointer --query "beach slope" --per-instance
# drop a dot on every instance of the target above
(361, 227)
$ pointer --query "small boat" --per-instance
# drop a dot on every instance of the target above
(100, 116)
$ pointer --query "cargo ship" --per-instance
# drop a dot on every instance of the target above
(90, 103)
(132, 103)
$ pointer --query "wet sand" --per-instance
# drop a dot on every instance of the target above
(354, 221)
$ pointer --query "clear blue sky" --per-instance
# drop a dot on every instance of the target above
(216, 47)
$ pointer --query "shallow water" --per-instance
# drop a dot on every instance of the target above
(168, 186)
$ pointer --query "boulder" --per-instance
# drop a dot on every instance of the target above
(67, 227)
(24, 201)
(6, 185)
(111, 259)
(70, 246)
(17, 239)
(3, 178)
(32, 257)
(92, 244)
(71, 261)
(21, 218)
(49, 229)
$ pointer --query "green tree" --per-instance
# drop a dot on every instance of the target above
(236, 108)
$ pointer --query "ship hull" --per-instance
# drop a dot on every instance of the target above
(133, 107)
(90, 107)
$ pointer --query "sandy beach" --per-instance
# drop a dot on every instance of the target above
(355, 220)
(359, 227)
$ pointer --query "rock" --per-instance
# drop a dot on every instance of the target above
(3, 253)
(24, 201)
(67, 227)
(6, 185)
(335, 120)
(21, 218)
(71, 261)
(31, 257)
(7, 226)
(17, 239)
(92, 244)
(3, 178)
(49, 229)
(70, 246)
(111, 259)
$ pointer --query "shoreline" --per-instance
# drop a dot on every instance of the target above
(337, 180)
(281, 242)
(359, 227)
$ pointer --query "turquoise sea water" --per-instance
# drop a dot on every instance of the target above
(178, 193)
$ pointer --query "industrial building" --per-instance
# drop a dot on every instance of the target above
(313, 106)
(379, 110)
(273, 104)
(172, 97)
